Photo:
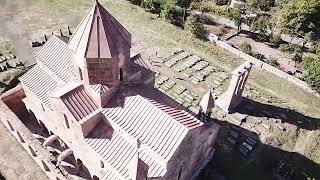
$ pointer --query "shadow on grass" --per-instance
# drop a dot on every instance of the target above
(261, 163)
(284, 114)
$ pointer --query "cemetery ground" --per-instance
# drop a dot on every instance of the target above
(187, 75)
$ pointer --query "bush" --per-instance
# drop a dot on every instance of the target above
(221, 2)
(246, 48)
(210, 7)
(275, 39)
(273, 62)
(312, 71)
(194, 26)
(318, 49)
(263, 5)
(205, 19)
(290, 48)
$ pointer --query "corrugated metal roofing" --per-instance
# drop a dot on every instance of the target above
(118, 152)
(149, 124)
(169, 106)
(79, 103)
(56, 56)
(109, 175)
(40, 83)
(99, 88)
(155, 169)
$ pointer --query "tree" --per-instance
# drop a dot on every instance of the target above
(235, 14)
(194, 26)
(299, 17)
(311, 74)
(246, 48)
(263, 5)
(275, 39)
(184, 3)
(260, 25)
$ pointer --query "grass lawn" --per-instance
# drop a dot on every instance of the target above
(154, 32)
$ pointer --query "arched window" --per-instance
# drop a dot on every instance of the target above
(121, 74)
(66, 120)
(80, 73)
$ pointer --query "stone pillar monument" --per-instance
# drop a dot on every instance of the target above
(233, 96)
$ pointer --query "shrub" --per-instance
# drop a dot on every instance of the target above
(318, 49)
(221, 2)
(297, 58)
(210, 7)
(194, 26)
(312, 71)
(273, 62)
(290, 48)
(246, 48)
(205, 19)
(275, 39)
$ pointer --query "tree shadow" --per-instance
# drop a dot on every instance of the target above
(263, 162)
(292, 116)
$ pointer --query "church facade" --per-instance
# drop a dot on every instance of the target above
(101, 104)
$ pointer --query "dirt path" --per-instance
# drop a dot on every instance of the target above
(283, 59)
(15, 162)
(13, 29)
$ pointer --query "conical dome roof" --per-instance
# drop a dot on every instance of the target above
(99, 35)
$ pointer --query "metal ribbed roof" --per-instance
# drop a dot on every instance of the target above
(40, 83)
(109, 175)
(169, 106)
(56, 56)
(79, 103)
(146, 122)
(118, 152)
(155, 169)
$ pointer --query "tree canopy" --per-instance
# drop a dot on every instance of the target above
(312, 71)
(299, 17)
(263, 5)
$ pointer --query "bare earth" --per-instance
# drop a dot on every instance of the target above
(15, 162)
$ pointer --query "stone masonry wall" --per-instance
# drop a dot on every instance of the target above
(192, 153)
(41, 156)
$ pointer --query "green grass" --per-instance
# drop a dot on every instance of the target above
(154, 31)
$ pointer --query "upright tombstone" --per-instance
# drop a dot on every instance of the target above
(233, 96)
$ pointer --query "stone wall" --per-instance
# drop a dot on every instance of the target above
(41, 156)
(193, 152)
(260, 64)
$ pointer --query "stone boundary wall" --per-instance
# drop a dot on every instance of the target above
(260, 64)
(33, 146)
